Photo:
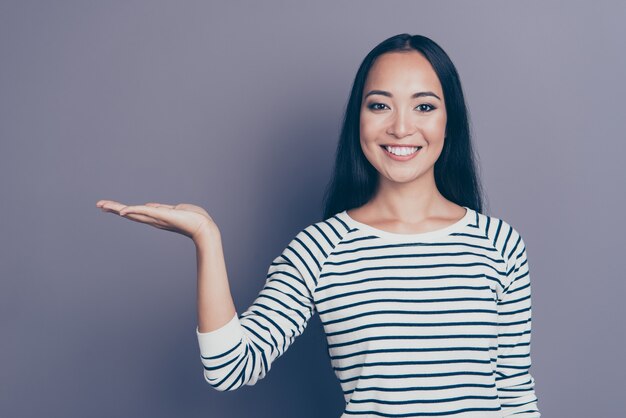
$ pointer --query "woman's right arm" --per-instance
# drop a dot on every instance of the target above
(237, 349)
(215, 303)
(243, 349)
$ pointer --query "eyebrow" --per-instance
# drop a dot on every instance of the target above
(414, 96)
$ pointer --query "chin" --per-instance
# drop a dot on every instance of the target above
(400, 179)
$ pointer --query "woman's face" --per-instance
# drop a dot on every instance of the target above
(402, 106)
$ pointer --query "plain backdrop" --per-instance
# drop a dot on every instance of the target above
(236, 107)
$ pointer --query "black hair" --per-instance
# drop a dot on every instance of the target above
(354, 179)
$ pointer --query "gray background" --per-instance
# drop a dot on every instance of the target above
(236, 107)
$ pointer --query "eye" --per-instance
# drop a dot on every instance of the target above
(375, 106)
(430, 107)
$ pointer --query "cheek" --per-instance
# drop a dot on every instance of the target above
(368, 128)
(435, 129)
(367, 140)
(440, 125)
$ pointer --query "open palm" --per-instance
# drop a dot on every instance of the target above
(183, 218)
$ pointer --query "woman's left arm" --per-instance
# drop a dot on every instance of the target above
(515, 384)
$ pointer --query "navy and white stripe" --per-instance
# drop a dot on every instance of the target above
(418, 325)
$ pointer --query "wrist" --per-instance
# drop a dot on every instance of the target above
(207, 233)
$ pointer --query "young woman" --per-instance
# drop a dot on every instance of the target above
(425, 300)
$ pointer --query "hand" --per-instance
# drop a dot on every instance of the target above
(187, 219)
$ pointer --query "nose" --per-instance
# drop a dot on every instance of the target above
(401, 124)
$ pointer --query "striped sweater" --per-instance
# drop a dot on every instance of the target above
(433, 324)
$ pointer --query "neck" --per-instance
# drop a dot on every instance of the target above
(410, 202)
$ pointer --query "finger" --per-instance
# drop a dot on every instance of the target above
(112, 206)
(163, 205)
(109, 209)
(103, 202)
(144, 219)
(154, 212)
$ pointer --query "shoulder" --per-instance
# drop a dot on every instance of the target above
(321, 237)
(504, 237)
(311, 246)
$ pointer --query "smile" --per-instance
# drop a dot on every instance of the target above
(401, 153)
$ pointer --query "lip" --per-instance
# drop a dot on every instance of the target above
(401, 157)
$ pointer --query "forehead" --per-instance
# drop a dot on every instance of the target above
(402, 72)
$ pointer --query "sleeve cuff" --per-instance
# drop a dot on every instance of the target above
(218, 341)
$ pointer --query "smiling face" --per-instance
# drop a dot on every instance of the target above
(402, 106)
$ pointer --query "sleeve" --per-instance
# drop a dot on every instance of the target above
(242, 351)
(515, 384)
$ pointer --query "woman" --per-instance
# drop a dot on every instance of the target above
(424, 300)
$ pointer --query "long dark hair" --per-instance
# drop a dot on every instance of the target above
(354, 179)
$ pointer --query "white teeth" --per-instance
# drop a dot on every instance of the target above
(401, 150)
